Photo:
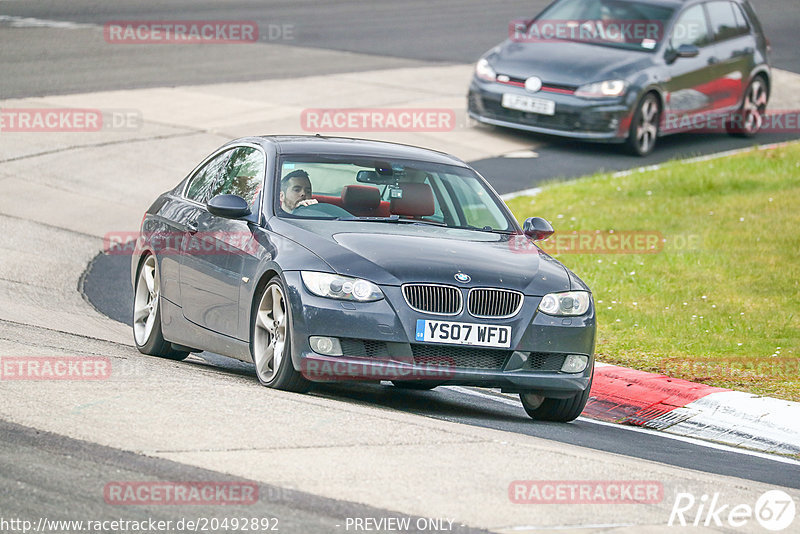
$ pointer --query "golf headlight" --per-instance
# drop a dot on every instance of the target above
(604, 89)
(341, 287)
(484, 71)
(567, 303)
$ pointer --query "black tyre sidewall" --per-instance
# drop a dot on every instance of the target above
(156, 344)
(287, 378)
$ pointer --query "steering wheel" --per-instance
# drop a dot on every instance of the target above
(321, 209)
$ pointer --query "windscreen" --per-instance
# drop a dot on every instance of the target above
(387, 191)
(618, 23)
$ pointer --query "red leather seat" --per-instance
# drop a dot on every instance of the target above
(416, 201)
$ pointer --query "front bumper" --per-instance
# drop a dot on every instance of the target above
(378, 344)
(579, 118)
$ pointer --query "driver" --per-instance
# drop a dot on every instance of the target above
(296, 191)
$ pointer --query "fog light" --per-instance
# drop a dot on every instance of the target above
(329, 346)
(575, 363)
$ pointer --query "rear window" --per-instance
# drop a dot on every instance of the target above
(723, 20)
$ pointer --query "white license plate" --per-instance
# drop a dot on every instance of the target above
(481, 335)
(529, 104)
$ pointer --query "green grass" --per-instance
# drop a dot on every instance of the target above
(720, 304)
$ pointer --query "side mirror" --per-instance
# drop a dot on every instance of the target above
(684, 50)
(537, 228)
(228, 206)
(687, 50)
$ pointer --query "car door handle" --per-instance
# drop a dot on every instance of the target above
(191, 227)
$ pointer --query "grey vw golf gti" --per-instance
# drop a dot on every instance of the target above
(628, 71)
(324, 259)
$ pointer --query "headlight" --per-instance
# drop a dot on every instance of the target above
(602, 89)
(484, 71)
(341, 287)
(567, 303)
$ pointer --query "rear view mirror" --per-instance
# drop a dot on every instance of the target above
(372, 177)
(537, 229)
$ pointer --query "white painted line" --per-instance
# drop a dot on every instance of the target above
(525, 192)
(29, 22)
(521, 154)
(686, 439)
(707, 157)
(568, 527)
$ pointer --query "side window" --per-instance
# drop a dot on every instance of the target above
(741, 21)
(242, 174)
(723, 20)
(691, 28)
(203, 180)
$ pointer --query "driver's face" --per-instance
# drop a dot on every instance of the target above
(299, 189)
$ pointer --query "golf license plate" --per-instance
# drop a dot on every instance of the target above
(480, 335)
(529, 104)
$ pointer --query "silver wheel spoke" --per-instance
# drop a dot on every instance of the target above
(269, 338)
(145, 304)
(149, 277)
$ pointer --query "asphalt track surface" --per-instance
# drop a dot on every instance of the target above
(380, 35)
(64, 477)
(106, 285)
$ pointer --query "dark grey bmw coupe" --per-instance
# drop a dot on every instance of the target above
(332, 259)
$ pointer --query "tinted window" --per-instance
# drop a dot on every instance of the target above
(618, 23)
(437, 194)
(242, 174)
(741, 21)
(691, 28)
(202, 182)
(723, 20)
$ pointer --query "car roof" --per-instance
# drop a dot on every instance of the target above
(318, 144)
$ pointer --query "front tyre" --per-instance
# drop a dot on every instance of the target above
(270, 340)
(643, 131)
(557, 410)
(147, 334)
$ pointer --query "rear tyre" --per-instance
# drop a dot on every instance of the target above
(557, 410)
(643, 131)
(419, 385)
(147, 334)
(750, 117)
(270, 340)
